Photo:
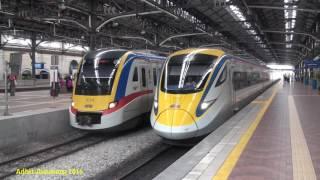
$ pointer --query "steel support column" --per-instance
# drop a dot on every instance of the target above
(2, 61)
(92, 20)
(33, 54)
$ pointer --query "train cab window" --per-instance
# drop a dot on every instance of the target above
(144, 81)
(154, 76)
(135, 75)
(187, 73)
(222, 77)
(97, 72)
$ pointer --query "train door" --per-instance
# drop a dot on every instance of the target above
(233, 88)
(149, 78)
(144, 88)
(135, 80)
(154, 77)
(150, 86)
(133, 87)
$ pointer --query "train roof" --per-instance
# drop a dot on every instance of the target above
(219, 52)
(211, 51)
(154, 52)
(149, 55)
(117, 53)
(105, 53)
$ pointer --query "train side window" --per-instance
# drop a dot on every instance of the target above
(135, 75)
(144, 82)
(154, 76)
(222, 77)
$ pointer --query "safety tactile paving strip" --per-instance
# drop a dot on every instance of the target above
(301, 160)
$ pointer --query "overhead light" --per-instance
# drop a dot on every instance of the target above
(115, 24)
(61, 5)
(290, 12)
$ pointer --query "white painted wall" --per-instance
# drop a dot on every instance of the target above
(64, 62)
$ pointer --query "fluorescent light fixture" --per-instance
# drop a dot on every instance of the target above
(280, 66)
(290, 13)
(238, 15)
(54, 45)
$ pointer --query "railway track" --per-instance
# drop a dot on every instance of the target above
(151, 166)
(9, 167)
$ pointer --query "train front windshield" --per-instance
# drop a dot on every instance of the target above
(187, 73)
(97, 73)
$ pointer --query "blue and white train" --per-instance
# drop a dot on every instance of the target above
(113, 88)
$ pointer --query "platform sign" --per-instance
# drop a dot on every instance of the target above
(311, 64)
(54, 74)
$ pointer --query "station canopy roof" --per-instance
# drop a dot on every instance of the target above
(277, 31)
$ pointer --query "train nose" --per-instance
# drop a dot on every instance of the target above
(176, 124)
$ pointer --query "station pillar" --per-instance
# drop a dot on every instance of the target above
(33, 55)
(2, 63)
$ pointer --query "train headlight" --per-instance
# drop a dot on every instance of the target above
(205, 105)
(155, 106)
(112, 105)
(72, 104)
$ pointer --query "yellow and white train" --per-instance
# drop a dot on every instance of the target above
(200, 88)
(113, 88)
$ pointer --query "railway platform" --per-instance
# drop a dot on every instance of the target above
(28, 85)
(34, 100)
(34, 117)
(276, 136)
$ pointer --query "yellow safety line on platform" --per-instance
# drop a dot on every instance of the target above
(230, 162)
(258, 102)
(301, 159)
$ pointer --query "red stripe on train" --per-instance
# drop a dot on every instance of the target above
(125, 100)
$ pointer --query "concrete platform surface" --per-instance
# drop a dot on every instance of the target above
(34, 100)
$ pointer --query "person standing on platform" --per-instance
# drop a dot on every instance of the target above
(12, 80)
(69, 84)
